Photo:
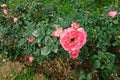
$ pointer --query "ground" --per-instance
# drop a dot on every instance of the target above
(55, 69)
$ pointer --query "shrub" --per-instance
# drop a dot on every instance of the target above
(26, 29)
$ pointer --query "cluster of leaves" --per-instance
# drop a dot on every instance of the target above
(38, 19)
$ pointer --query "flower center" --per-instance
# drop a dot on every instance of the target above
(72, 40)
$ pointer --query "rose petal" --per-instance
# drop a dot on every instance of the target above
(57, 32)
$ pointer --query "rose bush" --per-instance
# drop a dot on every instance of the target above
(27, 28)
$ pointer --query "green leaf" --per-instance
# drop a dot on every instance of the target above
(97, 64)
(115, 21)
(110, 57)
(114, 44)
(93, 58)
(117, 78)
(21, 42)
(89, 76)
(45, 50)
(82, 77)
(106, 74)
(109, 66)
(101, 55)
(54, 48)
(37, 52)
(102, 67)
(48, 40)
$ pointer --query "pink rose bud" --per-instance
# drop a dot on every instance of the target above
(31, 39)
(57, 32)
(31, 58)
(112, 14)
(3, 5)
(74, 54)
(75, 25)
(15, 20)
(5, 11)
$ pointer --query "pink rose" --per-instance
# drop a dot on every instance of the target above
(31, 39)
(57, 32)
(112, 14)
(15, 20)
(74, 54)
(5, 11)
(31, 58)
(72, 39)
(75, 25)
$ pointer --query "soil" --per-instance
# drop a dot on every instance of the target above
(56, 69)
